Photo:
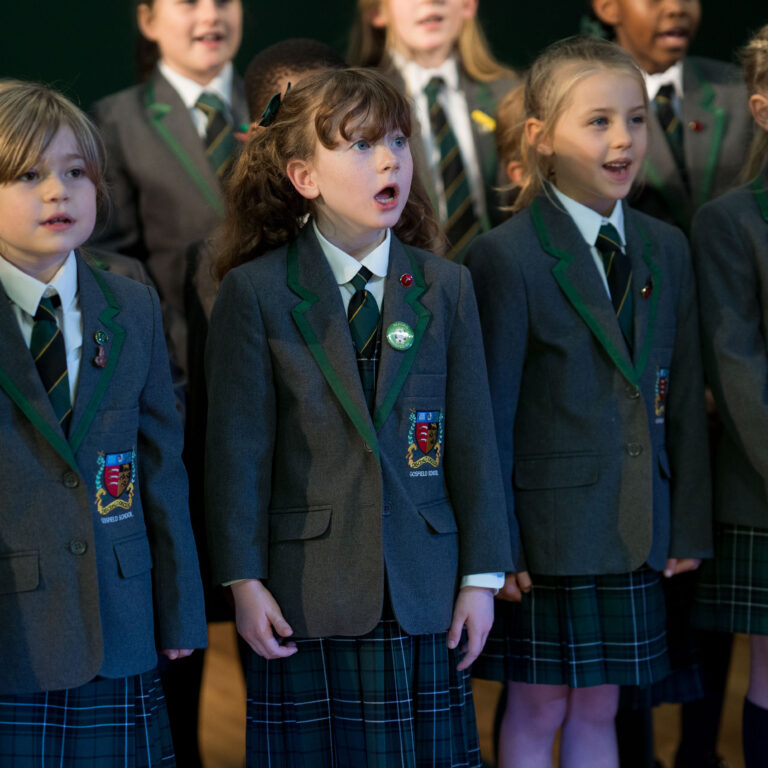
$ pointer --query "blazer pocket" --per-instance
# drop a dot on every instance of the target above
(664, 464)
(117, 421)
(300, 523)
(439, 516)
(558, 471)
(19, 572)
(133, 556)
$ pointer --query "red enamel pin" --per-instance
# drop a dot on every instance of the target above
(406, 280)
(696, 126)
(647, 289)
(101, 352)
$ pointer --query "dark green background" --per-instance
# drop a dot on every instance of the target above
(86, 47)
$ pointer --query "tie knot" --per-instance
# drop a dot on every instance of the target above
(608, 240)
(46, 309)
(665, 93)
(210, 103)
(433, 88)
(360, 280)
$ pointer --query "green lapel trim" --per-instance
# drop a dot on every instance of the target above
(758, 188)
(157, 113)
(359, 419)
(657, 278)
(718, 113)
(565, 258)
(412, 298)
(106, 317)
(56, 439)
(678, 211)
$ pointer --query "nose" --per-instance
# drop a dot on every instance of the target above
(621, 136)
(208, 10)
(677, 7)
(386, 158)
(56, 188)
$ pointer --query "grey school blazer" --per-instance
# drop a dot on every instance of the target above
(98, 567)
(603, 455)
(165, 195)
(306, 490)
(730, 246)
(717, 130)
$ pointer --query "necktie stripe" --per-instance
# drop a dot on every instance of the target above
(48, 345)
(364, 326)
(618, 274)
(671, 125)
(219, 141)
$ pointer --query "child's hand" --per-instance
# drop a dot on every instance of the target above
(258, 619)
(473, 610)
(177, 653)
(681, 565)
(514, 586)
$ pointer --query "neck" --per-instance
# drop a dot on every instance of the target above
(431, 59)
(357, 244)
(43, 269)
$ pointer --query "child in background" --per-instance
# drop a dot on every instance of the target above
(98, 565)
(347, 490)
(591, 337)
(436, 53)
(730, 243)
(699, 131)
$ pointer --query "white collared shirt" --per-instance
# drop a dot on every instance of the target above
(25, 293)
(588, 222)
(672, 76)
(189, 92)
(344, 268)
(454, 102)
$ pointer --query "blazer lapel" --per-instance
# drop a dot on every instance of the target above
(401, 304)
(662, 173)
(578, 278)
(21, 382)
(170, 118)
(100, 328)
(322, 322)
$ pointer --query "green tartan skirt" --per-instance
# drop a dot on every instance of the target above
(580, 631)
(732, 594)
(386, 698)
(106, 723)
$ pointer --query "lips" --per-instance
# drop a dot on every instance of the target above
(675, 36)
(209, 37)
(433, 18)
(387, 197)
(619, 169)
(59, 219)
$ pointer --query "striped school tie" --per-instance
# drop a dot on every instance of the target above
(364, 324)
(670, 123)
(618, 271)
(220, 142)
(461, 224)
(50, 356)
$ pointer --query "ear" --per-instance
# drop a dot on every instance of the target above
(758, 106)
(468, 9)
(534, 135)
(300, 174)
(378, 17)
(608, 11)
(515, 171)
(145, 20)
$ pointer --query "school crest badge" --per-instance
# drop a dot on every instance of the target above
(425, 437)
(660, 394)
(115, 481)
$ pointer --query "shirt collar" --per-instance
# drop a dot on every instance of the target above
(588, 221)
(672, 76)
(416, 77)
(345, 267)
(26, 291)
(189, 91)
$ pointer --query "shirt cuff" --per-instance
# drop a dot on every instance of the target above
(494, 581)
(230, 583)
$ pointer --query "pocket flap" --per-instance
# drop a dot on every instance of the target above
(439, 516)
(664, 464)
(133, 556)
(19, 572)
(307, 523)
(568, 471)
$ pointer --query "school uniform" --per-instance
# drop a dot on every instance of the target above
(730, 242)
(165, 192)
(336, 507)
(711, 103)
(91, 591)
(602, 445)
(471, 109)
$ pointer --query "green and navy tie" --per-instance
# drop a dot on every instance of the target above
(364, 322)
(220, 142)
(50, 356)
(461, 224)
(670, 124)
(618, 271)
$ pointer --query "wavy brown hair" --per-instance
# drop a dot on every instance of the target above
(755, 59)
(264, 210)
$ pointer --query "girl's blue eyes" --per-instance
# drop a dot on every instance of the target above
(362, 144)
(73, 173)
(398, 142)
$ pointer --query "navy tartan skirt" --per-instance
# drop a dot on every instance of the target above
(732, 594)
(106, 723)
(386, 698)
(580, 631)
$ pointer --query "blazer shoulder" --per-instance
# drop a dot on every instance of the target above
(129, 293)
(115, 106)
(653, 226)
(737, 204)
(714, 71)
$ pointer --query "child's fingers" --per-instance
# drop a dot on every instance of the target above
(177, 653)
(281, 626)
(475, 642)
(454, 632)
(524, 581)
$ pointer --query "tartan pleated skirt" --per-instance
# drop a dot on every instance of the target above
(383, 699)
(732, 594)
(580, 631)
(105, 723)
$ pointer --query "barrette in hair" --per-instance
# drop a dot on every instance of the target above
(273, 107)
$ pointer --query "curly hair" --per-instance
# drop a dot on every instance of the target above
(264, 210)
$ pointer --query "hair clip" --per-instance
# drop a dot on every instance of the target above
(273, 107)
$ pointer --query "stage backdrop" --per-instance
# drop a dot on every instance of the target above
(87, 48)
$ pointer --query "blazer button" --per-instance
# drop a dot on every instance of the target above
(77, 547)
(633, 393)
(634, 449)
(70, 480)
(368, 448)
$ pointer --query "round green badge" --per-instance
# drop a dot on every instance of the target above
(100, 337)
(400, 336)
